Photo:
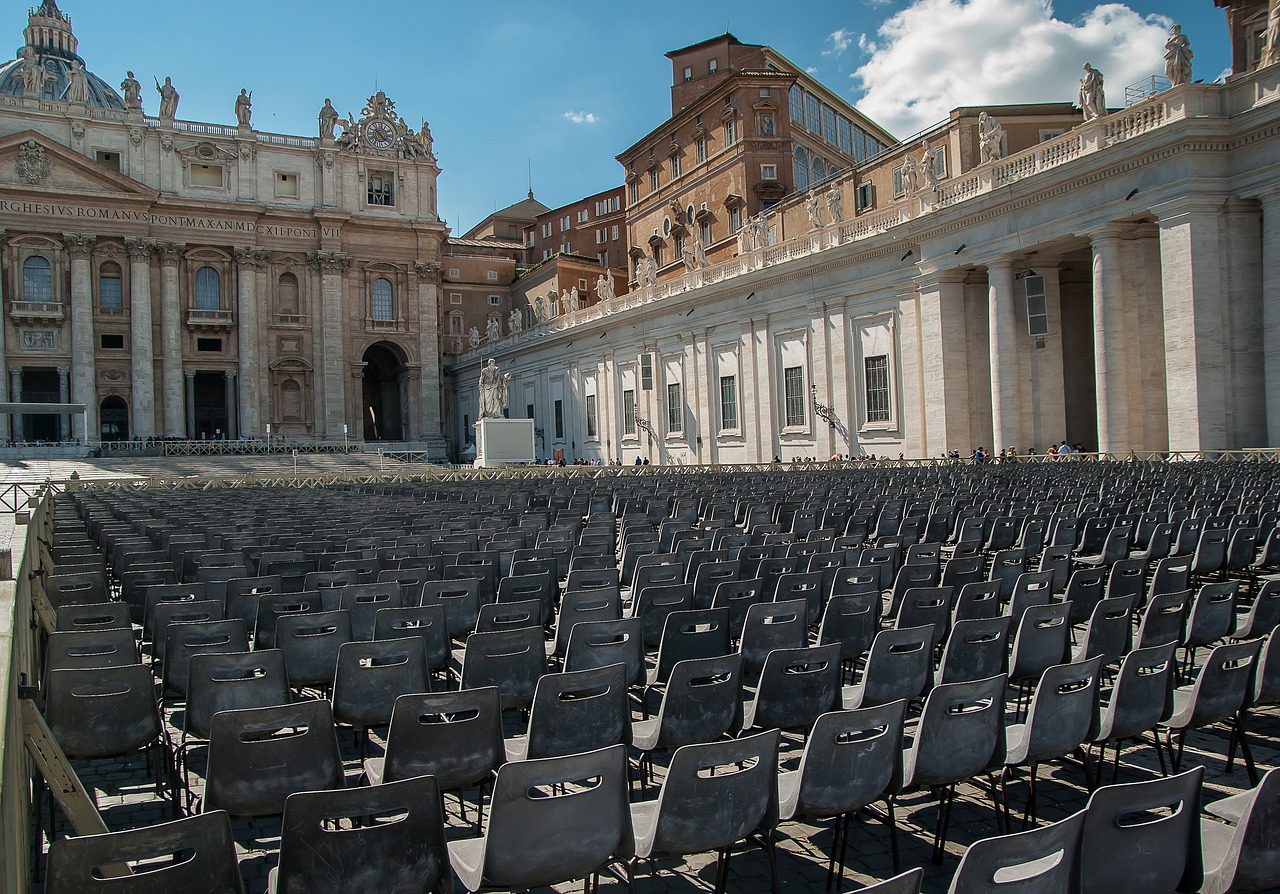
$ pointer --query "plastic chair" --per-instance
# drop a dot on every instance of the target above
(1261, 618)
(898, 667)
(977, 600)
(1154, 826)
(1140, 699)
(1212, 617)
(112, 647)
(1039, 642)
(655, 603)
(700, 633)
(200, 849)
(1109, 633)
(738, 596)
(1244, 855)
(509, 615)
(976, 649)
(402, 850)
(461, 601)
(851, 760)
(574, 712)
(1164, 620)
(182, 641)
(852, 620)
(425, 621)
(926, 606)
(310, 644)
(769, 626)
(92, 618)
(601, 643)
(796, 687)
(603, 604)
(1039, 861)
(260, 756)
(1216, 696)
(582, 797)
(512, 660)
(369, 676)
(701, 702)
(715, 795)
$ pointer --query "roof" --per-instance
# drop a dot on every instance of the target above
(487, 243)
(710, 40)
(525, 210)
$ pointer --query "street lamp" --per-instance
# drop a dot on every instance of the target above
(268, 437)
(344, 437)
(822, 411)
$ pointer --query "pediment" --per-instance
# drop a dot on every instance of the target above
(31, 161)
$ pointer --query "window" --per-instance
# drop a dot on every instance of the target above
(558, 411)
(793, 396)
(546, 230)
(1037, 309)
(819, 170)
(1046, 135)
(287, 293)
(208, 289)
(678, 249)
(209, 345)
(795, 102)
(653, 180)
(381, 189)
(659, 253)
(730, 132)
(877, 384)
(455, 297)
(766, 124)
(700, 149)
(383, 302)
(112, 342)
(864, 196)
(688, 73)
(844, 134)
(110, 294)
(801, 168)
(567, 248)
(603, 258)
(491, 275)
(646, 372)
(614, 232)
(666, 226)
(582, 285)
(37, 279)
(633, 192)
(729, 402)
(564, 224)
(768, 172)
(583, 217)
(109, 160)
(455, 324)
(607, 206)
(591, 415)
(602, 236)
(207, 175)
(675, 408)
(728, 100)
(812, 113)
(676, 169)
(453, 273)
(286, 185)
(705, 232)
(712, 66)
(629, 411)
(899, 182)
(829, 124)
(495, 301)
(940, 162)
(529, 238)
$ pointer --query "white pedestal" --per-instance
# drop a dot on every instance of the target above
(503, 442)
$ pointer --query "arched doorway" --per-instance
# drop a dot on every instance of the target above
(383, 402)
(113, 416)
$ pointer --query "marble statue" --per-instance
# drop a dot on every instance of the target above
(573, 298)
(168, 98)
(567, 302)
(699, 251)
(493, 391)
(990, 138)
(648, 271)
(928, 168)
(77, 84)
(744, 239)
(1093, 99)
(328, 119)
(473, 337)
(493, 331)
(813, 207)
(424, 138)
(539, 308)
(1271, 53)
(835, 203)
(689, 257)
(350, 135)
(760, 230)
(1177, 57)
(514, 322)
(910, 175)
(33, 74)
(244, 107)
(132, 91)
(604, 287)
(457, 344)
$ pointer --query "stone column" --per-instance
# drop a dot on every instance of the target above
(15, 379)
(142, 395)
(1048, 400)
(233, 408)
(333, 267)
(83, 390)
(1109, 342)
(191, 404)
(1271, 311)
(248, 260)
(945, 364)
(1006, 403)
(64, 396)
(429, 424)
(171, 341)
(1243, 323)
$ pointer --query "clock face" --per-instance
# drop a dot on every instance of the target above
(380, 134)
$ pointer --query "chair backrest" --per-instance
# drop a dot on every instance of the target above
(512, 660)
(976, 649)
(461, 601)
(578, 711)
(1155, 824)
(1142, 695)
(1127, 577)
(425, 621)
(1224, 681)
(710, 575)
(977, 599)
(898, 666)
(700, 633)
(363, 601)
(1251, 857)
(1040, 640)
(1164, 620)
(583, 797)
(1213, 613)
(1038, 861)
(717, 793)
(1262, 617)
(454, 736)
(605, 642)
(655, 603)
(542, 587)
(796, 687)
(232, 681)
(273, 606)
(403, 849)
(101, 711)
(1172, 575)
(851, 759)
(187, 639)
(908, 882)
(1063, 710)
(852, 620)
(1110, 630)
(738, 596)
(509, 615)
(961, 733)
(207, 863)
(929, 606)
(310, 644)
(370, 676)
(769, 626)
(701, 702)
(93, 617)
(114, 647)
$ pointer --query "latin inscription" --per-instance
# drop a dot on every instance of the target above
(80, 212)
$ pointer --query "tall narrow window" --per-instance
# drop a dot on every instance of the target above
(591, 415)
(877, 383)
(208, 289)
(37, 279)
(729, 402)
(795, 104)
(812, 113)
(793, 396)
(287, 293)
(675, 408)
(557, 410)
(1037, 309)
(801, 168)
(730, 132)
(629, 411)
(675, 167)
(110, 294)
(383, 301)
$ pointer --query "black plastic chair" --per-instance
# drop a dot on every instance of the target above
(575, 711)
(370, 676)
(1039, 861)
(1243, 854)
(796, 687)
(512, 660)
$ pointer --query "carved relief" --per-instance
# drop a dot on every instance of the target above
(329, 261)
(31, 165)
(39, 340)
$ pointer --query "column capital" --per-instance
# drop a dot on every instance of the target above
(252, 257)
(329, 262)
(1171, 213)
(189, 373)
(1269, 199)
(427, 271)
(1004, 262)
(170, 253)
(1109, 231)
(15, 371)
(79, 246)
(64, 372)
(139, 249)
(928, 277)
(230, 374)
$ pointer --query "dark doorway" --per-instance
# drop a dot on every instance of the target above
(383, 410)
(41, 386)
(211, 406)
(113, 416)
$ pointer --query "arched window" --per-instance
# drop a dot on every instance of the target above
(208, 289)
(802, 168)
(37, 279)
(110, 294)
(287, 293)
(383, 304)
(819, 170)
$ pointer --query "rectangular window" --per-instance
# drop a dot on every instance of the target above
(793, 396)
(844, 132)
(675, 408)
(528, 411)
(455, 297)
(491, 275)
(676, 169)
(286, 185)
(207, 175)
(564, 224)
(795, 103)
(646, 372)
(453, 273)
(381, 189)
(109, 160)
(706, 233)
(455, 324)
(735, 219)
(529, 238)
(940, 162)
(899, 183)
(629, 412)
(812, 113)
(213, 345)
(112, 342)
(591, 415)
(603, 258)
(700, 149)
(582, 215)
(730, 132)
(1037, 308)
(768, 172)
(602, 236)
(633, 192)
(864, 196)
(712, 65)
(829, 124)
(558, 410)
(495, 300)
(877, 383)
(729, 402)
(687, 74)
(614, 232)
(110, 299)
(546, 230)
(653, 180)
(859, 144)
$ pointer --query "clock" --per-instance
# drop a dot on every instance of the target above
(381, 135)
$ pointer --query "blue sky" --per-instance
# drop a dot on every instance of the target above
(565, 86)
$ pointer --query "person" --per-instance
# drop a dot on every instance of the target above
(328, 119)
(168, 98)
(244, 107)
(646, 460)
(639, 461)
(493, 391)
(132, 91)
(1177, 57)
(1093, 99)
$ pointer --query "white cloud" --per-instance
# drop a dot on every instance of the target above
(839, 40)
(581, 117)
(811, 70)
(935, 55)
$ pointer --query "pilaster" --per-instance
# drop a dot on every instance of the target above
(1271, 312)
(944, 364)
(83, 390)
(171, 385)
(333, 268)
(142, 386)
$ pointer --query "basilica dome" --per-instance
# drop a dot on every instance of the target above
(53, 46)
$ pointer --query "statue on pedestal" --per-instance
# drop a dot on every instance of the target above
(928, 168)
(604, 287)
(1093, 99)
(647, 274)
(328, 119)
(835, 203)
(168, 98)
(33, 74)
(132, 91)
(1177, 57)
(567, 302)
(990, 138)
(493, 331)
(813, 207)
(77, 84)
(910, 175)
(515, 322)
(473, 337)
(493, 391)
(244, 107)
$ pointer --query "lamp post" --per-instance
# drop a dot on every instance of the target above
(822, 411)
(344, 437)
(268, 437)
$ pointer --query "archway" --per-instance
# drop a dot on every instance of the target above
(113, 416)
(383, 405)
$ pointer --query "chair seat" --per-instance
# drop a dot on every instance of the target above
(788, 793)
(644, 824)
(517, 748)
(1017, 743)
(1182, 708)
(1215, 845)
(374, 767)
(466, 856)
(644, 734)
(1230, 809)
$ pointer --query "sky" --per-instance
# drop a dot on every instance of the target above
(553, 90)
